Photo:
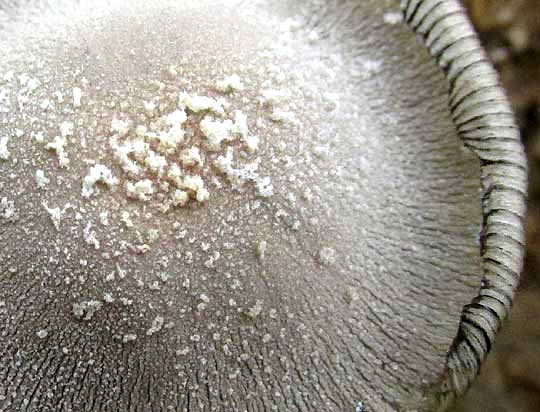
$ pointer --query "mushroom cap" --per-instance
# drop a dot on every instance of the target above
(250, 205)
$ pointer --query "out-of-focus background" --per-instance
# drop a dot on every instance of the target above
(510, 379)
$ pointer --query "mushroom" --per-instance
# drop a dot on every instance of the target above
(246, 206)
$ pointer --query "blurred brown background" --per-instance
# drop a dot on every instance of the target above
(510, 380)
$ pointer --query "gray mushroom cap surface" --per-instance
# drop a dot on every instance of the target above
(246, 206)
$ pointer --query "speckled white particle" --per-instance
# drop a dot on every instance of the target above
(271, 97)
(313, 36)
(255, 310)
(261, 249)
(77, 95)
(264, 187)
(107, 297)
(55, 214)
(126, 219)
(230, 83)
(197, 103)
(86, 310)
(216, 131)
(393, 17)
(141, 190)
(327, 256)
(4, 152)
(42, 333)
(66, 129)
(179, 197)
(58, 145)
(156, 326)
(104, 218)
(90, 236)
(191, 157)
(120, 127)
(98, 173)
(282, 116)
(129, 337)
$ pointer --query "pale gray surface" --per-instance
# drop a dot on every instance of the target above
(395, 195)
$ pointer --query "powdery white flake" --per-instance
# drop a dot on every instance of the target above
(178, 117)
(327, 256)
(351, 295)
(32, 85)
(238, 177)
(104, 218)
(55, 214)
(126, 301)
(129, 337)
(255, 310)
(183, 352)
(240, 126)
(291, 24)
(230, 83)
(197, 103)
(393, 17)
(307, 194)
(169, 140)
(42, 333)
(264, 187)
(313, 36)
(90, 236)
(59, 96)
(260, 250)
(86, 310)
(191, 157)
(141, 190)
(39, 137)
(121, 272)
(152, 235)
(155, 163)
(8, 76)
(22, 100)
(141, 131)
(179, 197)
(156, 326)
(46, 104)
(202, 195)
(120, 127)
(126, 219)
(77, 95)
(25, 79)
(175, 175)
(272, 97)
(97, 173)
(66, 129)
(196, 184)
(172, 71)
(41, 179)
(58, 145)
(121, 154)
(149, 108)
(7, 209)
(282, 116)
(252, 143)
(4, 152)
(216, 131)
